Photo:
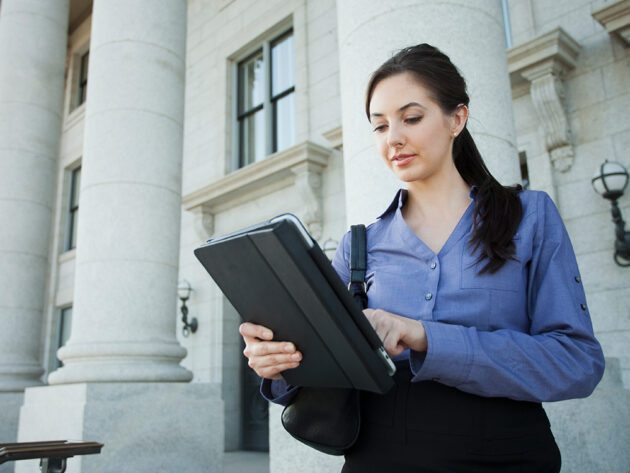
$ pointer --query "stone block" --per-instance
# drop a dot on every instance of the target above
(621, 143)
(597, 51)
(574, 17)
(145, 427)
(593, 433)
(615, 80)
(599, 272)
(610, 310)
(585, 90)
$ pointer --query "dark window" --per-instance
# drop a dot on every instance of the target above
(522, 158)
(83, 77)
(265, 102)
(65, 324)
(73, 209)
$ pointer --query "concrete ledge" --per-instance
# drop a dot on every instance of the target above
(145, 427)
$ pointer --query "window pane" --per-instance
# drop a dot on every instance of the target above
(65, 325)
(285, 122)
(83, 75)
(76, 185)
(73, 209)
(253, 138)
(251, 83)
(282, 65)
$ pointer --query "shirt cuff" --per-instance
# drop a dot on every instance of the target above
(277, 391)
(448, 358)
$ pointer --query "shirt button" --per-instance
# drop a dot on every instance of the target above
(583, 306)
(578, 279)
(433, 265)
(428, 296)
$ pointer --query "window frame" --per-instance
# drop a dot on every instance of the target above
(73, 209)
(269, 102)
(62, 311)
(82, 82)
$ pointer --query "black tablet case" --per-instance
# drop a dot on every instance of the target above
(273, 278)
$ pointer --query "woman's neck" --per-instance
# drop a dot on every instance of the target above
(438, 198)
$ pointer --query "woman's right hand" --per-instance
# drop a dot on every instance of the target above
(267, 358)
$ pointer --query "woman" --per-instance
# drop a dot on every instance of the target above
(473, 288)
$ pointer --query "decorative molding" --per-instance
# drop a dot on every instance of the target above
(616, 19)
(335, 136)
(300, 166)
(543, 63)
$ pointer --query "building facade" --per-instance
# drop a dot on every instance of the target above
(132, 131)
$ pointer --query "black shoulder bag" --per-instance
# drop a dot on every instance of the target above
(329, 419)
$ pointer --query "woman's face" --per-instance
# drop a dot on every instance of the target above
(413, 135)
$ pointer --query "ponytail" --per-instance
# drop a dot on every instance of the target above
(498, 210)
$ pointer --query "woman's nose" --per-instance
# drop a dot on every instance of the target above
(395, 137)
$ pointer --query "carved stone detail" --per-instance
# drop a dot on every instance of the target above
(308, 182)
(547, 93)
(203, 222)
(300, 166)
(543, 63)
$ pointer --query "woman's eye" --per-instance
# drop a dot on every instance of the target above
(379, 128)
(413, 120)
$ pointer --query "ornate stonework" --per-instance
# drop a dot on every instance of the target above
(300, 166)
(542, 63)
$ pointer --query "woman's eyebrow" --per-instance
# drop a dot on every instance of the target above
(401, 109)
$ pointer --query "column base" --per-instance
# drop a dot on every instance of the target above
(593, 433)
(118, 362)
(145, 427)
(10, 403)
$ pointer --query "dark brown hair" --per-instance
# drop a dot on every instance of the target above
(498, 210)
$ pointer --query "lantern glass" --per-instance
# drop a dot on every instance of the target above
(184, 289)
(613, 174)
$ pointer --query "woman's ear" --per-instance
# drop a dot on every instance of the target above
(459, 119)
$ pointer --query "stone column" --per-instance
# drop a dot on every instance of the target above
(33, 37)
(471, 33)
(128, 236)
(118, 383)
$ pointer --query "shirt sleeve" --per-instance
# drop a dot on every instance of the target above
(278, 391)
(558, 359)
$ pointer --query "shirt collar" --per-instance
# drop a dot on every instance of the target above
(401, 197)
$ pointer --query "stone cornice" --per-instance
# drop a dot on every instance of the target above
(335, 136)
(616, 19)
(556, 50)
(542, 64)
(300, 166)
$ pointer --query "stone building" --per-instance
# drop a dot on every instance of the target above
(132, 130)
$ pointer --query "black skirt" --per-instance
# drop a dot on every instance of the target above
(427, 427)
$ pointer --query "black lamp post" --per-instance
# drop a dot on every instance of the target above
(184, 290)
(610, 181)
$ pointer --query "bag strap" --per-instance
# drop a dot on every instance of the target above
(358, 264)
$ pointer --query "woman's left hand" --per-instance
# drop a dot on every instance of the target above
(397, 333)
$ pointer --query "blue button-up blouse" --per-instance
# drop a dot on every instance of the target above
(523, 332)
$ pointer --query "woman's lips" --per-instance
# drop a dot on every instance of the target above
(403, 159)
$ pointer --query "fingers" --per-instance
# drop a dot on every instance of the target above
(270, 366)
(266, 357)
(248, 329)
(258, 348)
(389, 329)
